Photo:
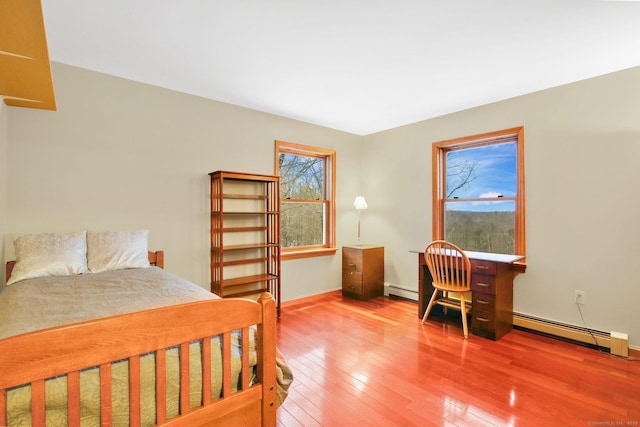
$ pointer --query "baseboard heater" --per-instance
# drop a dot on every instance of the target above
(617, 343)
(563, 330)
(392, 290)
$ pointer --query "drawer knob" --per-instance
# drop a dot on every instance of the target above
(481, 301)
(482, 319)
(351, 265)
(484, 285)
(482, 267)
(352, 287)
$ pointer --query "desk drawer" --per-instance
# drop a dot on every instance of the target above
(484, 321)
(352, 282)
(483, 284)
(483, 267)
(483, 302)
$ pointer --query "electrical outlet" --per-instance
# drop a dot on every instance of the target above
(579, 297)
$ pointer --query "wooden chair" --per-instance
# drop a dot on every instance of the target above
(450, 269)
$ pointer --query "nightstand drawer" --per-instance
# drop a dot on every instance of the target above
(351, 260)
(483, 284)
(352, 282)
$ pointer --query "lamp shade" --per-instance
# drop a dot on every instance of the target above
(360, 203)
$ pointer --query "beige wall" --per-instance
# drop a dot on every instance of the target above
(120, 155)
(582, 148)
(3, 179)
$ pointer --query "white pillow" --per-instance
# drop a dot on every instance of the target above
(50, 254)
(117, 250)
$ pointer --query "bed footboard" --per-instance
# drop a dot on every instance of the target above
(33, 358)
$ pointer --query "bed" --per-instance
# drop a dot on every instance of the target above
(132, 346)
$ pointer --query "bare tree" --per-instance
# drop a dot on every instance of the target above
(459, 174)
(301, 182)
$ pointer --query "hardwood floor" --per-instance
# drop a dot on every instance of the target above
(373, 364)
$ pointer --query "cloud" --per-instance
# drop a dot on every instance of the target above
(489, 194)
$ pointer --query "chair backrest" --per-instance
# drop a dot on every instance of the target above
(449, 266)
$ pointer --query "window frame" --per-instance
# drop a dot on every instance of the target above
(329, 156)
(439, 173)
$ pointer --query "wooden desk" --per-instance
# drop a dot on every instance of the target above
(491, 291)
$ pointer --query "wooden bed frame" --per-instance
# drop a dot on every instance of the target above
(33, 357)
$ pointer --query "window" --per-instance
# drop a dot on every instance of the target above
(307, 200)
(478, 192)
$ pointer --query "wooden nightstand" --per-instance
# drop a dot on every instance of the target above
(362, 271)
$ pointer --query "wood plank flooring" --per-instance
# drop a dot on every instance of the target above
(373, 364)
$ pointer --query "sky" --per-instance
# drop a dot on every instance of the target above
(494, 175)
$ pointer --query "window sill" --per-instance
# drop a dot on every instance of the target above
(308, 253)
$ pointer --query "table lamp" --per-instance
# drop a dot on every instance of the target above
(360, 204)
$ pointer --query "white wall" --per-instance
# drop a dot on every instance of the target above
(120, 155)
(582, 155)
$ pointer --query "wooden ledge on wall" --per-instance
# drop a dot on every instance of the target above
(25, 70)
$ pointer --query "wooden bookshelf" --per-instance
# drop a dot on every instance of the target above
(245, 235)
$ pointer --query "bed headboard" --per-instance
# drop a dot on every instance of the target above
(155, 258)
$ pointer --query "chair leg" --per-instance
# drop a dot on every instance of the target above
(463, 312)
(426, 312)
(445, 309)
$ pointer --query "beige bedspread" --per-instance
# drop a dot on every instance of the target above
(35, 304)
(52, 301)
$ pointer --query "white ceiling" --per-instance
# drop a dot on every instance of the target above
(360, 66)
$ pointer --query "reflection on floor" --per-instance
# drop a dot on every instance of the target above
(373, 363)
